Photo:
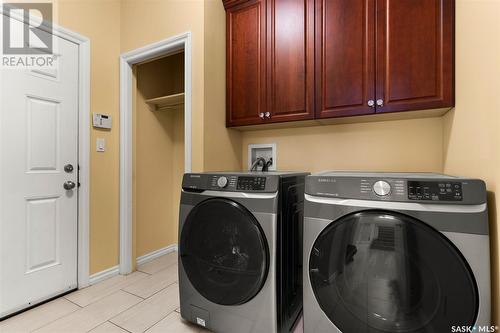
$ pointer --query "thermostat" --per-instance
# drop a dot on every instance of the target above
(102, 121)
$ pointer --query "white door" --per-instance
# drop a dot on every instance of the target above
(38, 217)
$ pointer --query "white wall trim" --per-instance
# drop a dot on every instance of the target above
(103, 275)
(84, 165)
(83, 141)
(127, 60)
(155, 254)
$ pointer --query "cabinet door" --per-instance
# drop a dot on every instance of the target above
(246, 65)
(345, 57)
(415, 62)
(291, 60)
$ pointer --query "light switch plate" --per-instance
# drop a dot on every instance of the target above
(265, 150)
(100, 145)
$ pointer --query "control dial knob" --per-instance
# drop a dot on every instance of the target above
(382, 188)
(222, 182)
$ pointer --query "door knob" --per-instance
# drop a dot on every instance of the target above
(371, 103)
(380, 102)
(68, 168)
(261, 115)
(268, 115)
(69, 185)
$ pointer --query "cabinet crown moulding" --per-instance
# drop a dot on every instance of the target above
(231, 3)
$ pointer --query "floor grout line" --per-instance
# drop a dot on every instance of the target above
(84, 307)
(164, 268)
(161, 270)
(128, 292)
(138, 270)
(142, 301)
(136, 304)
(67, 314)
(161, 290)
(80, 306)
(123, 328)
(159, 320)
(99, 298)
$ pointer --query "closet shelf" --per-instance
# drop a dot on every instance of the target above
(170, 102)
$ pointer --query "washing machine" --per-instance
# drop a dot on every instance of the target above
(395, 252)
(240, 250)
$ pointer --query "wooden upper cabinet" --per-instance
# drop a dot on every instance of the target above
(415, 54)
(345, 57)
(245, 61)
(290, 62)
(303, 59)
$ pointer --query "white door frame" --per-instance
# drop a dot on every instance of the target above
(127, 60)
(83, 140)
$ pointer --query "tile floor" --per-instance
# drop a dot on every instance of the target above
(144, 301)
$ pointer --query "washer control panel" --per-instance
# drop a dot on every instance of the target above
(435, 190)
(390, 189)
(398, 187)
(234, 183)
(219, 182)
(248, 183)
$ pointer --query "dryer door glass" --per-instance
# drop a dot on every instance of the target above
(224, 252)
(377, 271)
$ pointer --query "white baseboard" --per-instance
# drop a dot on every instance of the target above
(103, 275)
(155, 254)
(113, 271)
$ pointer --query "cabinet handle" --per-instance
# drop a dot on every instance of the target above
(371, 103)
(268, 115)
(261, 115)
(380, 102)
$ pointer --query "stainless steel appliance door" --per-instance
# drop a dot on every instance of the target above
(380, 271)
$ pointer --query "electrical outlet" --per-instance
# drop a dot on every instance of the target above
(267, 151)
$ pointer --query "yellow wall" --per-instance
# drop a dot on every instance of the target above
(159, 155)
(100, 21)
(399, 145)
(222, 146)
(177, 173)
(146, 22)
(472, 129)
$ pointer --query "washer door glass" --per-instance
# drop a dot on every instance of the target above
(224, 252)
(377, 271)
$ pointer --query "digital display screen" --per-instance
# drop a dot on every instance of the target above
(251, 183)
(435, 191)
